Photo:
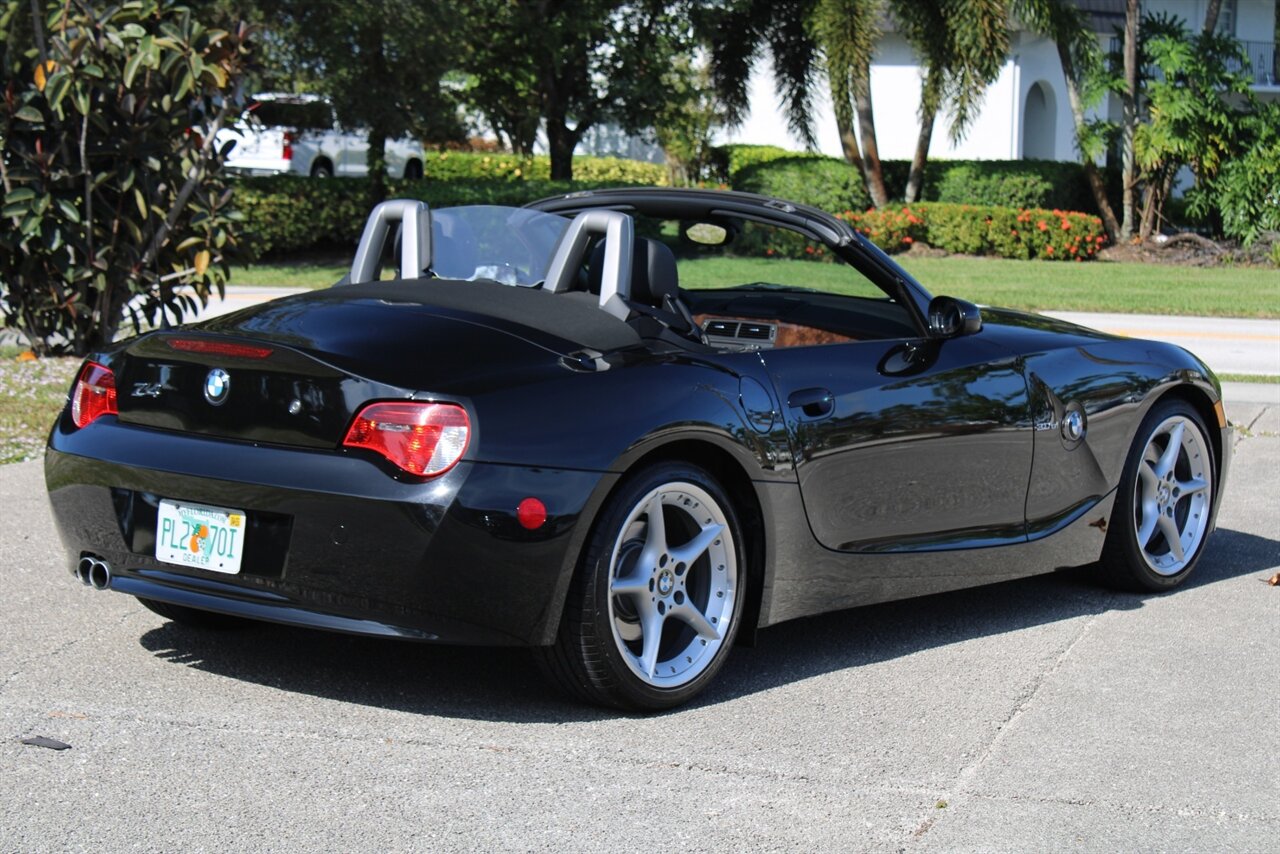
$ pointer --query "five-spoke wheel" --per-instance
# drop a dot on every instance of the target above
(1163, 507)
(656, 602)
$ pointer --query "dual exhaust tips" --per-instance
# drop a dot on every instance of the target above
(93, 572)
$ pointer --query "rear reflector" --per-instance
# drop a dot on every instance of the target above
(219, 348)
(420, 438)
(531, 514)
(94, 394)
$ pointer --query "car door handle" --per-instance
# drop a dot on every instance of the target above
(813, 402)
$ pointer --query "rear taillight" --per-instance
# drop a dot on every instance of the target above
(422, 438)
(94, 394)
(289, 139)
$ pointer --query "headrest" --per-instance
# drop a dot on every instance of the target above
(653, 271)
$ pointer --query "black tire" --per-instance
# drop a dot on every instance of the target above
(1125, 563)
(321, 169)
(413, 170)
(592, 658)
(192, 617)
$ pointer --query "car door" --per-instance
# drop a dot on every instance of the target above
(907, 445)
(352, 152)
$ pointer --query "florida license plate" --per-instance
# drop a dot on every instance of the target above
(200, 536)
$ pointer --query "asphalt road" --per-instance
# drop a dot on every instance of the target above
(1045, 714)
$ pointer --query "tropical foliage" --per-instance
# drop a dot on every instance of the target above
(112, 195)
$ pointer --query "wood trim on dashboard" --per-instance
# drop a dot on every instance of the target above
(789, 334)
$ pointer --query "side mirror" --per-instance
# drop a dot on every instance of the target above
(950, 317)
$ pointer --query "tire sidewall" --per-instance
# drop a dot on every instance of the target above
(628, 688)
(1122, 518)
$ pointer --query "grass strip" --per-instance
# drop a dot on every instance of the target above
(1030, 285)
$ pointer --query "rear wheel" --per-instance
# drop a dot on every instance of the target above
(1161, 518)
(193, 617)
(321, 169)
(654, 607)
(413, 170)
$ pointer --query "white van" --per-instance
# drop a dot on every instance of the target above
(299, 134)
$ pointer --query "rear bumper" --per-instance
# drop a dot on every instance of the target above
(261, 166)
(333, 541)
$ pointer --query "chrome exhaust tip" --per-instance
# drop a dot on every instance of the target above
(100, 575)
(84, 570)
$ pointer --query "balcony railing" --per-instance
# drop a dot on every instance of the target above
(1262, 59)
(1264, 64)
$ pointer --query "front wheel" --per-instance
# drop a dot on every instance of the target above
(655, 604)
(1161, 518)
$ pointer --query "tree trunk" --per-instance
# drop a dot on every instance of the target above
(1129, 96)
(1097, 185)
(930, 96)
(1157, 194)
(861, 89)
(376, 160)
(561, 141)
(1211, 16)
(842, 101)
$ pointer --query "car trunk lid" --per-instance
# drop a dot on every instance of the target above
(295, 372)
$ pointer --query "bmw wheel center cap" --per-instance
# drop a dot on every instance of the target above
(217, 386)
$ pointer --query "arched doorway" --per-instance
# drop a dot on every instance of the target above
(1039, 123)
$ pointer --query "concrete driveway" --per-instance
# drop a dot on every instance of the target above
(1046, 714)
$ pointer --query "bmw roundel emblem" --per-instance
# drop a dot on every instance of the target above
(217, 385)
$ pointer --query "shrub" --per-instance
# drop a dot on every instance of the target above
(1246, 192)
(111, 180)
(287, 213)
(465, 165)
(1024, 233)
(823, 182)
(1008, 183)
(728, 160)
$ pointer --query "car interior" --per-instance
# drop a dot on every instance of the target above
(724, 283)
(741, 301)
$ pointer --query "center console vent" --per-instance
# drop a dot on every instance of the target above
(740, 334)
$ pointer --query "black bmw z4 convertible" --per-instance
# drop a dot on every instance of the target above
(625, 428)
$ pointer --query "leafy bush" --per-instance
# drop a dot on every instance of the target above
(288, 213)
(823, 182)
(112, 190)
(1022, 233)
(1053, 235)
(728, 160)
(1008, 183)
(1246, 192)
(465, 165)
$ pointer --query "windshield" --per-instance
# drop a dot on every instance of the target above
(513, 246)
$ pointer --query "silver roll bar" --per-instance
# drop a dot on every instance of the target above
(415, 240)
(615, 281)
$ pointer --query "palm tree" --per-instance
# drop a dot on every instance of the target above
(1082, 63)
(846, 32)
(962, 45)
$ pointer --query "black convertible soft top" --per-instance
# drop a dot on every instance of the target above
(574, 317)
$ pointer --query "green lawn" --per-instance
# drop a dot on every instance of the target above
(31, 396)
(1033, 285)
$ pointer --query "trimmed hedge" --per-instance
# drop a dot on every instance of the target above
(467, 165)
(287, 213)
(1020, 233)
(823, 182)
(1045, 184)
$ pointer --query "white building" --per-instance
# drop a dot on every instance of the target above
(1025, 112)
